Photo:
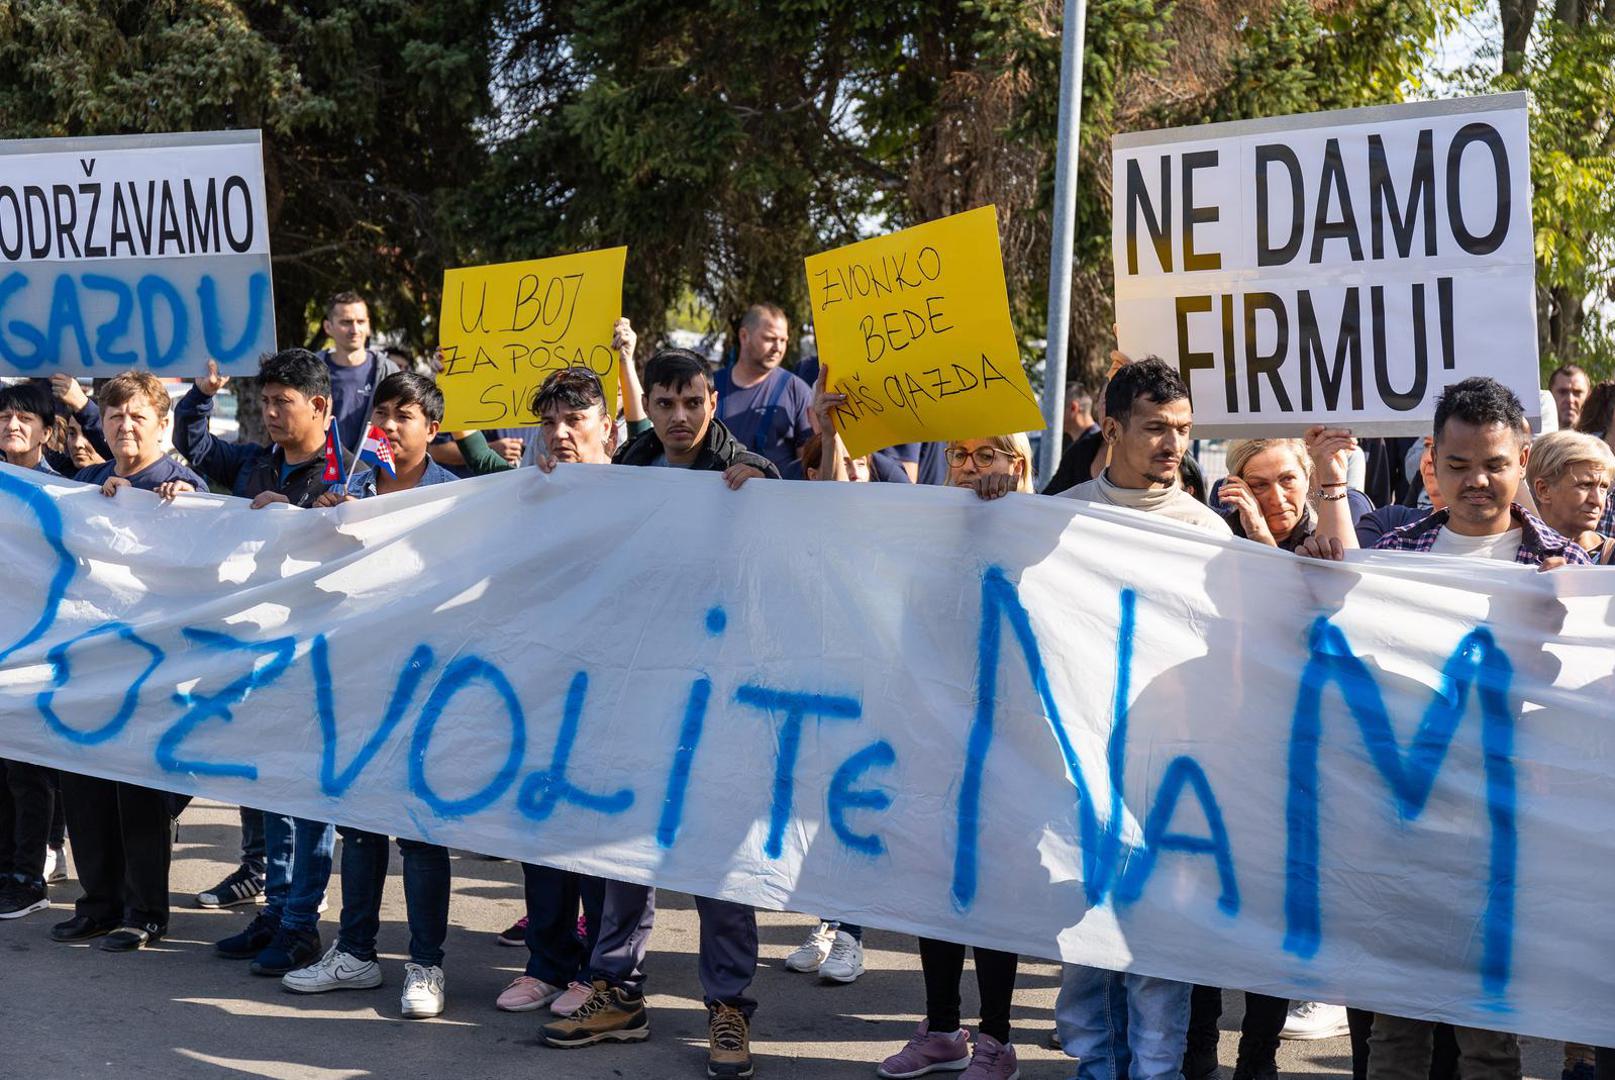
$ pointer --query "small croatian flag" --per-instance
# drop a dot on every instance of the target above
(376, 450)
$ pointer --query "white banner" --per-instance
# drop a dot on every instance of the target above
(1039, 725)
(1338, 267)
(122, 251)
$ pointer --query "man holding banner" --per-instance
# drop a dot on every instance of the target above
(1481, 446)
(681, 402)
(1121, 1024)
(296, 387)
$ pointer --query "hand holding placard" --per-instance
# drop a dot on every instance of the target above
(506, 327)
(917, 326)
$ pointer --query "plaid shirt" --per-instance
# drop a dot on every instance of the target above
(1537, 541)
(1606, 524)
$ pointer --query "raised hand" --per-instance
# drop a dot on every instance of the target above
(212, 382)
(67, 390)
(1330, 450)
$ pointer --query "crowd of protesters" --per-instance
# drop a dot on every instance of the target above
(1478, 486)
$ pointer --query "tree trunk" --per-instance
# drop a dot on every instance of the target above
(1517, 17)
(249, 410)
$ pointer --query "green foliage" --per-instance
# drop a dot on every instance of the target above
(723, 141)
(369, 114)
(1568, 67)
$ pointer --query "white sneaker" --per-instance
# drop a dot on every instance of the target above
(812, 952)
(336, 970)
(1310, 1020)
(55, 865)
(423, 992)
(846, 960)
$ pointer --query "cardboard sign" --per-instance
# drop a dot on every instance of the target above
(134, 251)
(915, 328)
(506, 327)
(1341, 267)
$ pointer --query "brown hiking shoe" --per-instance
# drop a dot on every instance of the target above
(728, 1042)
(606, 1015)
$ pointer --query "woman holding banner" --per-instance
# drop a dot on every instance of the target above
(992, 468)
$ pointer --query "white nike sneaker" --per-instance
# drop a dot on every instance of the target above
(1310, 1020)
(811, 953)
(423, 992)
(846, 960)
(336, 970)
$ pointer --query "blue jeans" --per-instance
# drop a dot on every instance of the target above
(427, 883)
(1121, 1026)
(298, 868)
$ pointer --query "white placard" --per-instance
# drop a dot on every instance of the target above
(1339, 267)
(146, 251)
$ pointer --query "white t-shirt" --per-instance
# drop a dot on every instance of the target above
(1503, 546)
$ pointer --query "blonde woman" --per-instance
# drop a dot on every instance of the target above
(1283, 492)
(991, 467)
(1569, 475)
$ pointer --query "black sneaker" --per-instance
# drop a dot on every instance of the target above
(241, 887)
(251, 941)
(19, 898)
(132, 938)
(290, 950)
(81, 928)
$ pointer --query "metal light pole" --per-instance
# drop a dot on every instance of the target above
(1064, 240)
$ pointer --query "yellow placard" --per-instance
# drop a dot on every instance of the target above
(506, 327)
(915, 329)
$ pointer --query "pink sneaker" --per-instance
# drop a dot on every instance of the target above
(993, 1061)
(572, 999)
(928, 1052)
(526, 994)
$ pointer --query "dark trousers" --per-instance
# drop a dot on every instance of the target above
(728, 960)
(1258, 1033)
(627, 916)
(1443, 1054)
(254, 855)
(122, 844)
(943, 963)
(618, 918)
(27, 801)
(58, 812)
(1403, 1049)
(427, 884)
(554, 952)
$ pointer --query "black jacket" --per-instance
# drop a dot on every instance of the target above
(719, 451)
(245, 469)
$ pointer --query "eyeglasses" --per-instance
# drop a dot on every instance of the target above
(983, 456)
(578, 372)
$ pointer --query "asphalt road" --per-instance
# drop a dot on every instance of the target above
(176, 1011)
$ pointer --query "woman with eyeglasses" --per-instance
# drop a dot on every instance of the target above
(992, 468)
